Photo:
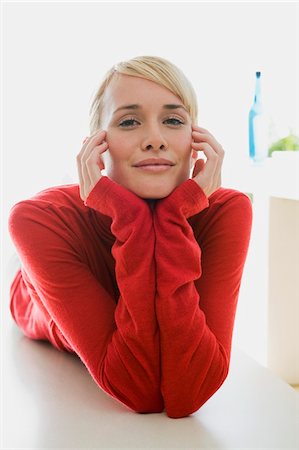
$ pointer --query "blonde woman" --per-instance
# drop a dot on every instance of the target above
(138, 270)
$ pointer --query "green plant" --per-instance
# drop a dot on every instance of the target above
(290, 142)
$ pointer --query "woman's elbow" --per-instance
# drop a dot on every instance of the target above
(142, 401)
(189, 404)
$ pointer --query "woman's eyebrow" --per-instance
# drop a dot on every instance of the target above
(127, 107)
(135, 106)
(172, 106)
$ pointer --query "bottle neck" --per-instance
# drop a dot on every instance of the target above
(258, 95)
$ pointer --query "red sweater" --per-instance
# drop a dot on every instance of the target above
(146, 297)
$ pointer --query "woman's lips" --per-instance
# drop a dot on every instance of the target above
(154, 165)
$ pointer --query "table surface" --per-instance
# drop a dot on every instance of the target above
(50, 401)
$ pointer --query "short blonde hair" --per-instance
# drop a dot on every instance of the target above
(152, 68)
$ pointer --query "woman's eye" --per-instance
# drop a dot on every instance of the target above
(128, 123)
(174, 121)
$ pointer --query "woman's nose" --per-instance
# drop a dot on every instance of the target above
(154, 141)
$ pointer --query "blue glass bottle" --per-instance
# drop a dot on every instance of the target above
(258, 149)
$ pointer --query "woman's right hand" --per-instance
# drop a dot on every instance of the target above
(88, 162)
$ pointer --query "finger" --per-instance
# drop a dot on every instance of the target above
(91, 170)
(203, 131)
(211, 163)
(200, 129)
(99, 148)
(92, 163)
(204, 137)
(95, 174)
(198, 167)
(83, 176)
(218, 152)
(81, 180)
(83, 156)
(90, 142)
(200, 135)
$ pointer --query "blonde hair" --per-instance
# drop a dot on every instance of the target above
(152, 68)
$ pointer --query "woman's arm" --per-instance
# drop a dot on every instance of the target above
(132, 362)
(196, 324)
(119, 344)
(197, 288)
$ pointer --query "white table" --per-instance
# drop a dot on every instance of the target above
(50, 401)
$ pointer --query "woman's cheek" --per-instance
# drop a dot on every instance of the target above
(187, 137)
(187, 145)
(113, 144)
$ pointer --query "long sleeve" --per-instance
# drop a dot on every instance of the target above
(197, 290)
(118, 343)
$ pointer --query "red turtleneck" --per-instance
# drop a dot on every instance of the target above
(146, 297)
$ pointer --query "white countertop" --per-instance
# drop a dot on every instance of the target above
(50, 401)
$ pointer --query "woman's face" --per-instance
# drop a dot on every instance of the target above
(148, 135)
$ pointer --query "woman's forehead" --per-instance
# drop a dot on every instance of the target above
(126, 90)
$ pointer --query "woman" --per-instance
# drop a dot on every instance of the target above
(138, 271)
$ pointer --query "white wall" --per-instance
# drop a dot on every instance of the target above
(283, 331)
(55, 54)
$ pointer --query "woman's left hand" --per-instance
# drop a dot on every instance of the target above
(207, 174)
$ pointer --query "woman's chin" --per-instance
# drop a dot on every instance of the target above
(151, 188)
(152, 192)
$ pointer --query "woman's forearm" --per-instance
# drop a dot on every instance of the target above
(132, 363)
(118, 343)
(194, 356)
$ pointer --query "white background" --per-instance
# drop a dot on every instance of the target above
(55, 55)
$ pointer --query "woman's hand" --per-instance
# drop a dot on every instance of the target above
(88, 162)
(207, 174)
